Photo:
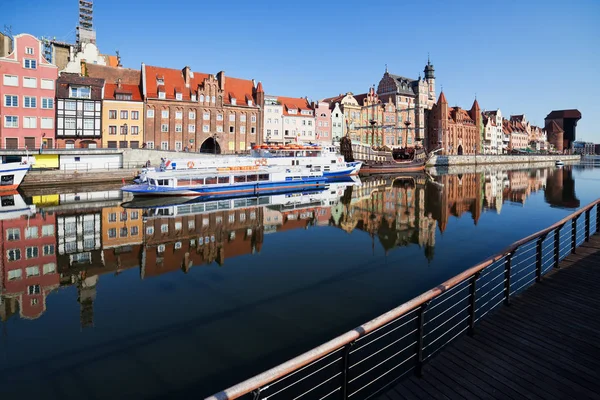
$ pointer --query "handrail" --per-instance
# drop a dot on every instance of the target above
(316, 353)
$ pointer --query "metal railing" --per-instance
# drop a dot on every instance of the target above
(363, 362)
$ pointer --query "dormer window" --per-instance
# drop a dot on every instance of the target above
(178, 96)
(201, 98)
(193, 97)
(160, 81)
(233, 101)
(162, 95)
(123, 96)
(306, 112)
(80, 92)
(250, 103)
(293, 111)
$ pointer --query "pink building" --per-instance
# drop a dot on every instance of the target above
(323, 117)
(27, 95)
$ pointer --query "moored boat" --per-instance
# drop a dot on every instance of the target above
(12, 174)
(234, 181)
(13, 206)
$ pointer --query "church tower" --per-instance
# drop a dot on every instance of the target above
(430, 79)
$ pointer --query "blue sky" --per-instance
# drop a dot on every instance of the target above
(529, 56)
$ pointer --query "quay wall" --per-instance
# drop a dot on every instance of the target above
(438, 160)
(489, 168)
(62, 177)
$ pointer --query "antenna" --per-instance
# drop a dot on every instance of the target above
(8, 30)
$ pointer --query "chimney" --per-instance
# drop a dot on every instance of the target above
(253, 83)
(186, 76)
(119, 83)
(83, 68)
(221, 79)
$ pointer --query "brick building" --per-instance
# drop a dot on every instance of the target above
(200, 112)
(561, 128)
(455, 130)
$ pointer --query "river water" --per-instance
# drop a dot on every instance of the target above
(104, 300)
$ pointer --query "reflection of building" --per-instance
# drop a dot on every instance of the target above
(79, 239)
(393, 210)
(560, 188)
(121, 227)
(461, 193)
(28, 271)
(179, 237)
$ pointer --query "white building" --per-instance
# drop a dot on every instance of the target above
(493, 135)
(299, 124)
(337, 122)
(273, 120)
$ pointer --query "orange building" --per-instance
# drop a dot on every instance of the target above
(460, 194)
(121, 227)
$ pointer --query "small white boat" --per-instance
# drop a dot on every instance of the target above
(559, 163)
(13, 206)
(12, 174)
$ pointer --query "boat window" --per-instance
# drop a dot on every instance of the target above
(211, 206)
(197, 181)
(223, 179)
(224, 205)
(264, 200)
(298, 154)
(333, 161)
(239, 178)
(326, 168)
(183, 182)
(263, 177)
(163, 182)
(7, 180)
(239, 203)
(252, 178)
(211, 180)
(196, 208)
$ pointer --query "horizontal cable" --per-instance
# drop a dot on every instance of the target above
(521, 278)
(320, 384)
(383, 348)
(489, 301)
(490, 309)
(444, 312)
(449, 330)
(386, 360)
(447, 298)
(529, 282)
(446, 342)
(388, 324)
(445, 322)
(330, 393)
(303, 368)
(492, 289)
(382, 336)
(384, 374)
(480, 288)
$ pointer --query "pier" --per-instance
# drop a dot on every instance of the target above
(522, 323)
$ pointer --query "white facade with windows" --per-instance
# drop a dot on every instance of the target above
(273, 120)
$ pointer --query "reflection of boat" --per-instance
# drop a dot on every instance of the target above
(12, 174)
(231, 181)
(12, 205)
(559, 163)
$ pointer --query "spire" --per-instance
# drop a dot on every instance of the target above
(386, 70)
(442, 98)
(429, 70)
(259, 88)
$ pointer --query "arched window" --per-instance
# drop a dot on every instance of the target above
(201, 98)
(213, 99)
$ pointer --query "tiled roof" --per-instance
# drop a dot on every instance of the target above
(294, 103)
(172, 78)
(442, 98)
(112, 74)
(239, 89)
(66, 79)
(460, 115)
(111, 89)
(517, 118)
(564, 114)
(335, 99)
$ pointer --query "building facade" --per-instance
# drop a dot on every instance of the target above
(492, 139)
(413, 99)
(337, 121)
(298, 120)
(78, 111)
(455, 130)
(121, 227)
(27, 95)
(350, 114)
(273, 120)
(370, 121)
(323, 122)
(201, 112)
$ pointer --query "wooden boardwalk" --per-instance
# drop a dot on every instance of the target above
(546, 345)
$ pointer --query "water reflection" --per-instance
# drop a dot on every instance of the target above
(72, 239)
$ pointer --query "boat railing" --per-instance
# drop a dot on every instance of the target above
(370, 358)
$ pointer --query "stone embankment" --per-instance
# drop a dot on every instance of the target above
(490, 168)
(439, 160)
(61, 177)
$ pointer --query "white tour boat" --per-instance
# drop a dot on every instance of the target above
(12, 174)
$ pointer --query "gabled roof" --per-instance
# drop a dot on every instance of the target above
(294, 103)
(112, 89)
(112, 74)
(238, 89)
(335, 99)
(404, 85)
(172, 78)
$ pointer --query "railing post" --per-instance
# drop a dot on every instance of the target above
(421, 322)
(557, 246)
(473, 303)
(538, 258)
(507, 266)
(587, 225)
(346, 368)
(573, 235)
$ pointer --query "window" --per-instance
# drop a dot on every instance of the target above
(150, 230)
(219, 128)
(150, 145)
(30, 122)
(243, 118)
(123, 129)
(32, 271)
(178, 115)
(150, 113)
(88, 106)
(33, 289)
(11, 100)
(164, 127)
(253, 130)
(191, 225)
(112, 217)
(205, 128)
(162, 95)
(49, 268)
(112, 130)
(242, 129)
(134, 231)
(164, 145)
(253, 118)
(232, 117)
(178, 146)
(11, 80)
(88, 124)
(178, 128)
(48, 249)
(191, 128)
(123, 232)
(164, 113)
(80, 92)
(112, 114)
(233, 101)
(178, 96)
(135, 215)
(70, 105)
(47, 230)
(15, 274)
(124, 114)
(164, 228)
(206, 116)
(135, 115)
(231, 129)
(31, 232)
(135, 130)
(13, 234)
(13, 254)
(201, 98)
(29, 63)
(212, 99)
(47, 84)
(31, 252)
(29, 102)
(193, 97)
(70, 123)
(276, 131)
(47, 103)
(219, 117)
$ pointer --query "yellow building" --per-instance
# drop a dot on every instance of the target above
(122, 105)
(121, 227)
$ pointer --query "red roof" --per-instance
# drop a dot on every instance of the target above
(238, 89)
(111, 89)
(294, 103)
(442, 98)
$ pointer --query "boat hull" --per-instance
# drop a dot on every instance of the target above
(229, 190)
(11, 176)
